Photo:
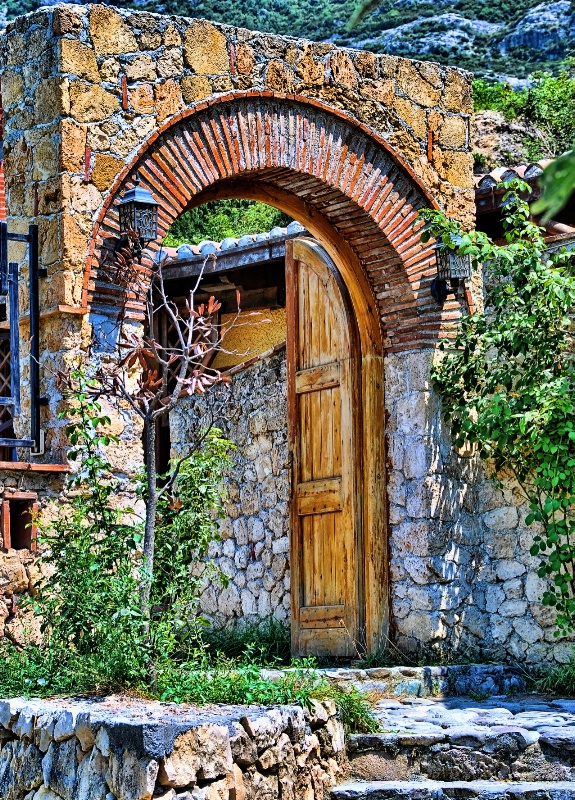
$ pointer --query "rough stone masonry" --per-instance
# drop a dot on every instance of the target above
(133, 750)
(90, 92)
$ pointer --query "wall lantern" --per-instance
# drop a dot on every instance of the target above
(139, 212)
(452, 270)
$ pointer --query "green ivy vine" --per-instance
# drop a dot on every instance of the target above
(507, 380)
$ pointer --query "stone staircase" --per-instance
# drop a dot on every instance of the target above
(493, 748)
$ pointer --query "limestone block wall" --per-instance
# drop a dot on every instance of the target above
(18, 570)
(462, 582)
(462, 579)
(135, 750)
(254, 548)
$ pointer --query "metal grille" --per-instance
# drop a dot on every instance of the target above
(6, 420)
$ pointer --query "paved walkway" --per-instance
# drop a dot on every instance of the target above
(462, 721)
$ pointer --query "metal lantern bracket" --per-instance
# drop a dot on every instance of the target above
(452, 270)
(138, 211)
(9, 275)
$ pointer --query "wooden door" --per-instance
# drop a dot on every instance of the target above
(324, 396)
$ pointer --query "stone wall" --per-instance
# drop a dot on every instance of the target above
(120, 749)
(18, 570)
(89, 92)
(462, 582)
(462, 579)
(254, 549)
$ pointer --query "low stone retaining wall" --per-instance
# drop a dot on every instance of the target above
(457, 680)
(123, 749)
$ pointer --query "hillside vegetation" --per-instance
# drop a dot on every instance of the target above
(511, 37)
(539, 117)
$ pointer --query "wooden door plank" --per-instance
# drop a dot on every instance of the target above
(322, 616)
(314, 379)
(292, 354)
(319, 497)
(324, 515)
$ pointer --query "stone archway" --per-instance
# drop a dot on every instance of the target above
(211, 111)
(359, 200)
(342, 180)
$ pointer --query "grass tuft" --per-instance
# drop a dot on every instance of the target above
(269, 640)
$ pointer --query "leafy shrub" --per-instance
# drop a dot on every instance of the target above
(548, 104)
(188, 522)
(558, 680)
(89, 597)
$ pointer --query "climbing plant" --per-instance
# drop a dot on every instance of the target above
(507, 380)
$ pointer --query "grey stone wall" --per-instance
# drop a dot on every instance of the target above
(254, 548)
(122, 749)
(462, 579)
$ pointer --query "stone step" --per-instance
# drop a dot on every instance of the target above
(454, 790)
(525, 739)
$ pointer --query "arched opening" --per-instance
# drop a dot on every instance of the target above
(360, 205)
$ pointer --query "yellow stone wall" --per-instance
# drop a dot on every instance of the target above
(85, 87)
(246, 339)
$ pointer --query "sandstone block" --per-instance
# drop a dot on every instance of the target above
(66, 20)
(141, 68)
(245, 59)
(13, 577)
(150, 40)
(414, 86)
(457, 95)
(455, 167)
(366, 65)
(45, 155)
(109, 33)
(205, 48)
(453, 132)
(15, 48)
(142, 98)
(170, 63)
(280, 77)
(343, 70)
(432, 73)
(412, 115)
(12, 87)
(381, 90)
(91, 103)
(52, 99)
(308, 68)
(168, 99)
(106, 168)
(72, 146)
(78, 59)
(172, 37)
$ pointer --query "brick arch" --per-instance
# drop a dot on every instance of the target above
(338, 177)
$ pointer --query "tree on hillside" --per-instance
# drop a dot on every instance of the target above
(222, 218)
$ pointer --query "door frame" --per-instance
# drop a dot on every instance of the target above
(372, 528)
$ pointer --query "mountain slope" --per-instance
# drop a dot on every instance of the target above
(513, 37)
